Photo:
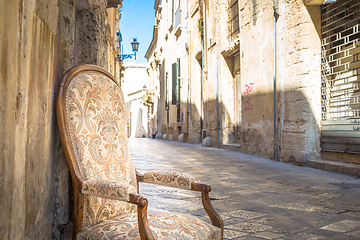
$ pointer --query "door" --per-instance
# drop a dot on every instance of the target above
(237, 107)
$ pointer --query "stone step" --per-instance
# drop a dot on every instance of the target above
(338, 167)
(232, 147)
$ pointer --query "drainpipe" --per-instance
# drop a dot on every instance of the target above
(217, 105)
(204, 59)
(275, 17)
(188, 94)
(201, 87)
(188, 107)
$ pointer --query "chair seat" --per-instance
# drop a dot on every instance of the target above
(164, 225)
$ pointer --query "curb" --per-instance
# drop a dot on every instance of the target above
(338, 167)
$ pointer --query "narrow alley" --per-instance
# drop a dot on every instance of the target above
(258, 98)
(257, 198)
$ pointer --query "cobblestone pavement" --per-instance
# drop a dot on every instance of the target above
(257, 198)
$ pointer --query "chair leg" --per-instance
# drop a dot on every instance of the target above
(78, 212)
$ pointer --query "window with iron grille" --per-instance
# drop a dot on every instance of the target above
(340, 79)
(167, 97)
(166, 91)
(178, 92)
(233, 22)
(174, 85)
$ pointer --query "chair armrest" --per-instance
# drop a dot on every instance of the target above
(210, 210)
(168, 178)
(123, 192)
(108, 189)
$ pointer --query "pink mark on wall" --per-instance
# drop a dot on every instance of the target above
(248, 105)
(248, 89)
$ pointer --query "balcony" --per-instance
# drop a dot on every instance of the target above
(148, 99)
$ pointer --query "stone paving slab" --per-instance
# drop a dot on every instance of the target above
(258, 198)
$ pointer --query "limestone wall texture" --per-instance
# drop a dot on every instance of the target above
(168, 48)
(299, 95)
(297, 67)
(234, 74)
(41, 39)
(241, 69)
(196, 74)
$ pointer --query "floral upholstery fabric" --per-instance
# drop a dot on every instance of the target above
(108, 189)
(97, 209)
(169, 178)
(95, 112)
(163, 225)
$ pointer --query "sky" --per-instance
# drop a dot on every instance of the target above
(137, 21)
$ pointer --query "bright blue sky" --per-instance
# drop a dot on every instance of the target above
(137, 21)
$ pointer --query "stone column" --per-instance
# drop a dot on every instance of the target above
(91, 32)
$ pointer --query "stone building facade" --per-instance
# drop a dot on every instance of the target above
(134, 85)
(272, 78)
(41, 39)
(168, 57)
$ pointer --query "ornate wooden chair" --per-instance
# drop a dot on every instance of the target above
(90, 112)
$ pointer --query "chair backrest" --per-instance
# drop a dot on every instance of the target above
(91, 114)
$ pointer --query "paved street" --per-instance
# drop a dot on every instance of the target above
(257, 198)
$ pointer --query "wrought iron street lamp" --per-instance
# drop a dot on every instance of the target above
(135, 47)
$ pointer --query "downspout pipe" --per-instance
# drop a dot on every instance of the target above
(189, 63)
(204, 61)
(217, 105)
(202, 92)
(275, 17)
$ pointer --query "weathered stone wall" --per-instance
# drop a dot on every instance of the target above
(211, 69)
(170, 46)
(299, 82)
(153, 74)
(30, 73)
(241, 69)
(37, 46)
(91, 33)
(196, 78)
(220, 73)
(256, 46)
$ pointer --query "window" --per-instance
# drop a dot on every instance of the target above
(166, 92)
(172, 11)
(233, 23)
(174, 85)
(167, 99)
(177, 15)
(178, 92)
